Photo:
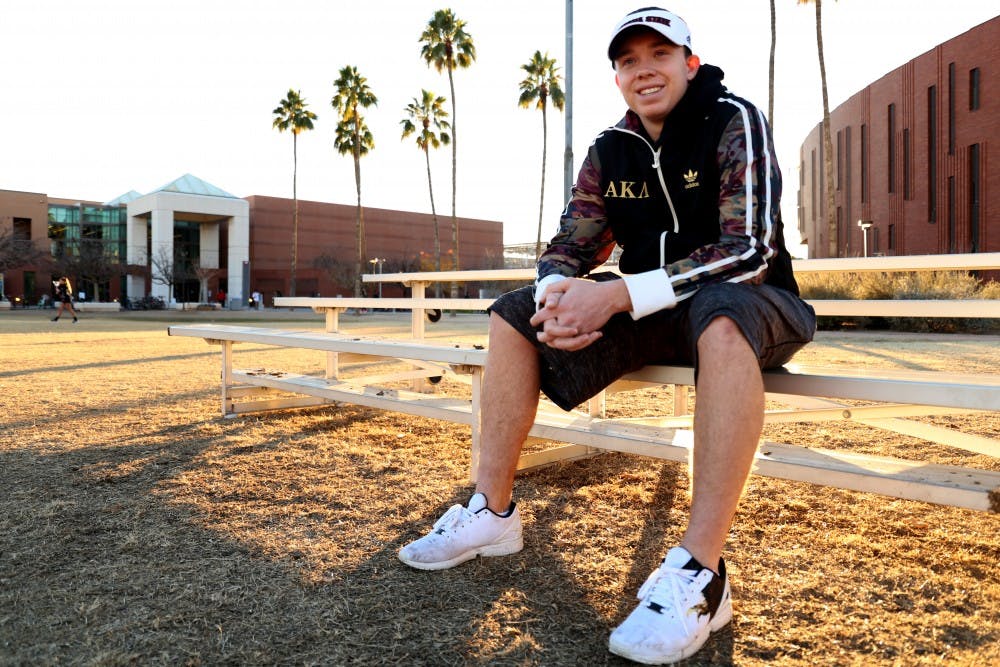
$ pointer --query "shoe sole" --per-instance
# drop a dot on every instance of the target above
(719, 621)
(505, 548)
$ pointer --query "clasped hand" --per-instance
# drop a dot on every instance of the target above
(573, 311)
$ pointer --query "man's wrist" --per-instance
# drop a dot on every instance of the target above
(542, 284)
(618, 297)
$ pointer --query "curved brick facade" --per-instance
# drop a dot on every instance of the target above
(911, 157)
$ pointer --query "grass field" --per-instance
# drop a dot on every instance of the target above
(139, 527)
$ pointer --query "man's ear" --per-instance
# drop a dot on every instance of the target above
(693, 63)
(617, 82)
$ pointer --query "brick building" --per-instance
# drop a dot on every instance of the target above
(393, 241)
(55, 226)
(193, 222)
(912, 173)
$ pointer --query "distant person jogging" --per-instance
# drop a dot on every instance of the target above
(687, 184)
(64, 296)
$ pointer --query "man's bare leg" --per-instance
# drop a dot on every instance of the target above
(729, 417)
(509, 404)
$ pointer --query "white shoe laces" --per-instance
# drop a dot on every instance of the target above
(668, 587)
(454, 517)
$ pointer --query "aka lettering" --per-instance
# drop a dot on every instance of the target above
(627, 190)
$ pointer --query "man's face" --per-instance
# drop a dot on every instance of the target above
(653, 74)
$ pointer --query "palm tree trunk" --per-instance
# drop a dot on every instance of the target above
(541, 197)
(831, 212)
(360, 223)
(454, 170)
(295, 213)
(359, 228)
(437, 234)
(770, 70)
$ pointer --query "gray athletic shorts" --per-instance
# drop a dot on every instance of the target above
(774, 321)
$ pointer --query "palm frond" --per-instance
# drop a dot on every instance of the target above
(292, 114)
(446, 44)
(542, 83)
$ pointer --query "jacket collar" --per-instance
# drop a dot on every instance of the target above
(704, 89)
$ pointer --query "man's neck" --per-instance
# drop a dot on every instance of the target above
(653, 129)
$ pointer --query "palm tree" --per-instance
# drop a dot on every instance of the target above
(446, 46)
(427, 112)
(292, 114)
(540, 85)
(831, 213)
(770, 69)
(354, 137)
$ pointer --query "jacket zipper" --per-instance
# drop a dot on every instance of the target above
(659, 174)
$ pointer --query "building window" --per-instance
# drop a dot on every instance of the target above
(951, 108)
(891, 149)
(952, 231)
(864, 163)
(974, 189)
(848, 202)
(906, 163)
(86, 230)
(22, 229)
(812, 189)
(974, 89)
(30, 286)
(842, 242)
(892, 237)
(932, 154)
(840, 160)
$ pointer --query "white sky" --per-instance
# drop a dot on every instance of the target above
(101, 97)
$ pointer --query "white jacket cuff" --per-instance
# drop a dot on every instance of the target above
(543, 284)
(649, 291)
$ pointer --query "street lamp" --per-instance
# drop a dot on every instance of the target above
(865, 225)
(377, 262)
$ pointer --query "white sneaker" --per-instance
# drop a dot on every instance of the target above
(463, 533)
(682, 603)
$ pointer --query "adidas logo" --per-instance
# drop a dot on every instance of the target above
(691, 179)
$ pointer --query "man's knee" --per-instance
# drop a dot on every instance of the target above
(505, 338)
(722, 336)
(499, 326)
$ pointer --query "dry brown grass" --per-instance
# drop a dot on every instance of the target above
(138, 527)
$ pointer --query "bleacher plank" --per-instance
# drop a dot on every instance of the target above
(974, 392)
(333, 342)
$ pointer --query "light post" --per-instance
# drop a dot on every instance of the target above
(865, 225)
(377, 262)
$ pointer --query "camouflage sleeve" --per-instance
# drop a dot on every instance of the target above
(749, 195)
(584, 239)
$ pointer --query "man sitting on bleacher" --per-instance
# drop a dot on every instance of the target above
(688, 185)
